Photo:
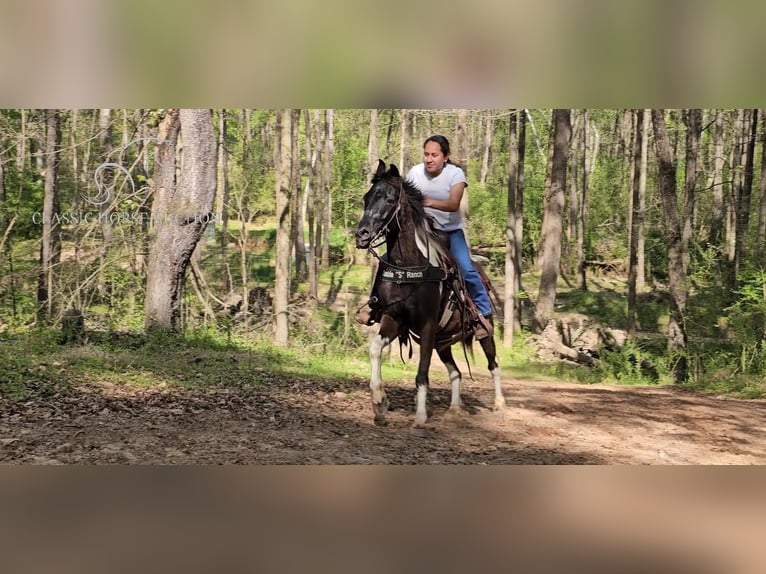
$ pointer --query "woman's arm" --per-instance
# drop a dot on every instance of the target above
(452, 203)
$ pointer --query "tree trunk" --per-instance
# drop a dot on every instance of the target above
(636, 218)
(461, 152)
(519, 232)
(734, 188)
(552, 226)
(761, 238)
(488, 134)
(509, 314)
(677, 338)
(404, 142)
(313, 187)
(328, 149)
(283, 143)
(222, 197)
(372, 143)
(716, 219)
(744, 197)
(643, 169)
(296, 213)
(582, 211)
(51, 240)
(180, 211)
(693, 120)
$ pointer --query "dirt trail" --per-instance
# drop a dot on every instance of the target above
(330, 422)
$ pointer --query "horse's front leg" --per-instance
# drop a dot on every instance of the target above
(387, 331)
(427, 341)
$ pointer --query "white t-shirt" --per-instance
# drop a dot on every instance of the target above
(438, 188)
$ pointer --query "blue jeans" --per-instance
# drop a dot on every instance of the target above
(459, 250)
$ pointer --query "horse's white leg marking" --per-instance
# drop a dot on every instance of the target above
(379, 400)
(455, 379)
(420, 409)
(499, 398)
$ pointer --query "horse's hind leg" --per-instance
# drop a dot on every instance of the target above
(455, 378)
(379, 398)
(427, 336)
(488, 344)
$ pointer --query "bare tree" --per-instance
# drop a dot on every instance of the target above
(488, 136)
(677, 338)
(716, 221)
(328, 148)
(180, 211)
(283, 134)
(405, 163)
(461, 152)
(512, 243)
(372, 143)
(761, 237)
(313, 186)
(636, 216)
(223, 195)
(582, 206)
(552, 221)
(693, 120)
(745, 191)
(296, 212)
(51, 239)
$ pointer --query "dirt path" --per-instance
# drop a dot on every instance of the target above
(330, 422)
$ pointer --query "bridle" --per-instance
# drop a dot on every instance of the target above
(383, 233)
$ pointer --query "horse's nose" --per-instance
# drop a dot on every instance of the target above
(362, 236)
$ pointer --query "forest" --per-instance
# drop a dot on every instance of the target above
(628, 243)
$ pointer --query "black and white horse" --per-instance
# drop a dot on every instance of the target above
(418, 293)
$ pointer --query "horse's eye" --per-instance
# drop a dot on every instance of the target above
(390, 199)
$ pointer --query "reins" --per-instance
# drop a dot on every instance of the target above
(384, 230)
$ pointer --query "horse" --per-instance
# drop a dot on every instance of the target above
(419, 292)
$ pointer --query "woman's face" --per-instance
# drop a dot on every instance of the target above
(433, 158)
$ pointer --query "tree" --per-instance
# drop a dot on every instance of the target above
(677, 337)
(180, 211)
(582, 206)
(51, 240)
(552, 221)
(223, 196)
(488, 135)
(296, 211)
(637, 187)
(761, 235)
(284, 147)
(512, 242)
(716, 220)
(693, 121)
(745, 191)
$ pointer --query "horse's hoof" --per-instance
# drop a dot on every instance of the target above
(381, 408)
(380, 421)
(420, 431)
(454, 412)
(500, 404)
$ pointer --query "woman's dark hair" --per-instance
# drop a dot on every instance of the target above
(444, 145)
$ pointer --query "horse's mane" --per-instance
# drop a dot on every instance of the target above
(424, 224)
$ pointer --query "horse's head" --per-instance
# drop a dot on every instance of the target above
(381, 203)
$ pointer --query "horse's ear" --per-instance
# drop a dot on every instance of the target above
(393, 171)
(381, 169)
